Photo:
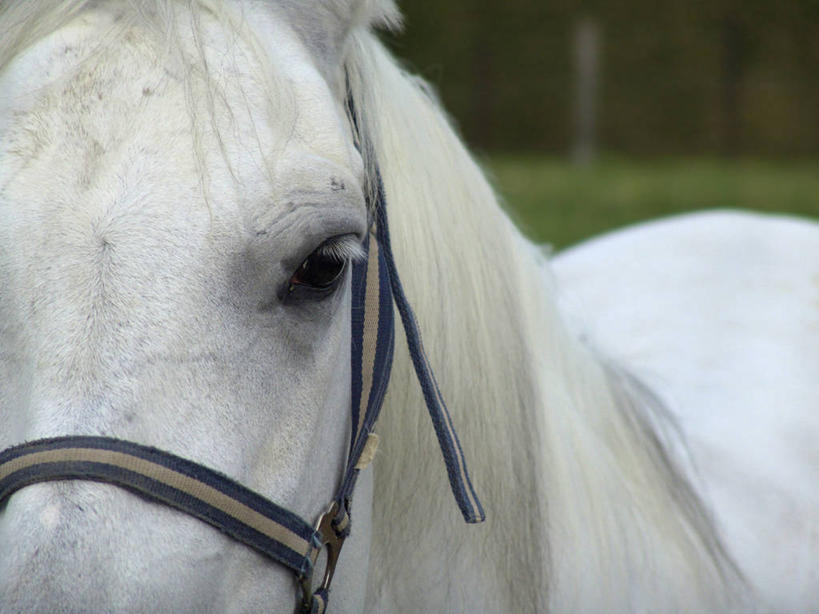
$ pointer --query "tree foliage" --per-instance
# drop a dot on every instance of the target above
(718, 76)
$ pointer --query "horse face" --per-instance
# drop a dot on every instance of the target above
(156, 203)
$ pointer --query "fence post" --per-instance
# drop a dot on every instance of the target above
(586, 68)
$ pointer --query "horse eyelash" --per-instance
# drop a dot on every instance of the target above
(343, 249)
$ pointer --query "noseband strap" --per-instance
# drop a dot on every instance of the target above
(166, 478)
(240, 512)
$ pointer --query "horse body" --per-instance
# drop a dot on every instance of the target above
(714, 312)
(210, 154)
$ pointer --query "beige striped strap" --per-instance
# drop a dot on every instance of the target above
(169, 479)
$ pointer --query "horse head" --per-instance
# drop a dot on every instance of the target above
(182, 201)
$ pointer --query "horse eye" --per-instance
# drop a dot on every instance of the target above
(320, 271)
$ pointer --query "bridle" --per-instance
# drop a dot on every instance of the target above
(239, 512)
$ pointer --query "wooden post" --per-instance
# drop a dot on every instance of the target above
(586, 66)
(733, 69)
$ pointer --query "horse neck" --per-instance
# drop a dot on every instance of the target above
(586, 510)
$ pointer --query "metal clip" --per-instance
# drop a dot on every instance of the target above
(330, 539)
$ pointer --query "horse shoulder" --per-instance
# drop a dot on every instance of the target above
(717, 312)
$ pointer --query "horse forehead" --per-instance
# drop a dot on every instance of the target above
(126, 104)
(100, 153)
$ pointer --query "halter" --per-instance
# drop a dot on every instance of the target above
(239, 512)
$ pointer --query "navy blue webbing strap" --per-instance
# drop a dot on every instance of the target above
(390, 284)
(373, 342)
(319, 603)
(454, 460)
(372, 349)
(165, 478)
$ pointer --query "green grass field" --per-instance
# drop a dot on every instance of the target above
(557, 202)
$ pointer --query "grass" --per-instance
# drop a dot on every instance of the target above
(560, 203)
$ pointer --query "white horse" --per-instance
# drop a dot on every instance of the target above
(165, 167)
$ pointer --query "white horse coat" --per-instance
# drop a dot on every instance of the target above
(165, 167)
(714, 311)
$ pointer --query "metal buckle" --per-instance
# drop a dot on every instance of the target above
(332, 541)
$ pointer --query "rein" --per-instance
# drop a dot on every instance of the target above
(239, 512)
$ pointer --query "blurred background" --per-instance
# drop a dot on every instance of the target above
(592, 115)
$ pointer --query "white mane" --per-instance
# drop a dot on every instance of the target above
(587, 509)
